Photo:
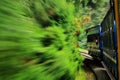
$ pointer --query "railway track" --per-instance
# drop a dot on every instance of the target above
(94, 66)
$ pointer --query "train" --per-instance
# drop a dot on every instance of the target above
(103, 40)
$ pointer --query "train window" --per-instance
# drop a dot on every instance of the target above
(108, 21)
(107, 29)
(93, 38)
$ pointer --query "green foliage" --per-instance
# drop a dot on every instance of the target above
(36, 40)
(91, 13)
(96, 9)
(82, 39)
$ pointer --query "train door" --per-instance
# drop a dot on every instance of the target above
(117, 18)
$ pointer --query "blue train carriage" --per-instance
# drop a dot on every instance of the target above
(93, 41)
(109, 42)
(117, 19)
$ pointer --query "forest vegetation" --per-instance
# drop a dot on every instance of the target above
(40, 39)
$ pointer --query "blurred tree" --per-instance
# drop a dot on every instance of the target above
(90, 13)
(95, 9)
(37, 40)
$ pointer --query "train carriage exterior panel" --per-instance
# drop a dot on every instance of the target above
(108, 39)
(108, 34)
